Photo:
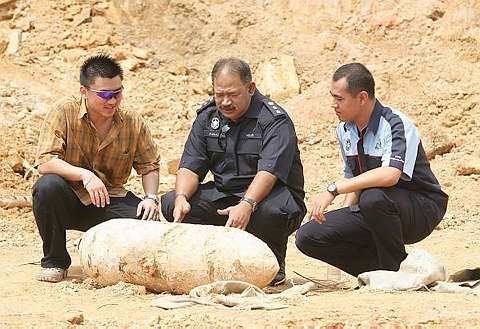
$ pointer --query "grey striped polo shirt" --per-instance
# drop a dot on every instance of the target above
(390, 140)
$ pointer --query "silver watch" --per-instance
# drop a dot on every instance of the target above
(250, 201)
(151, 196)
(332, 189)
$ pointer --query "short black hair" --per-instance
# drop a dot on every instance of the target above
(96, 66)
(358, 78)
(233, 65)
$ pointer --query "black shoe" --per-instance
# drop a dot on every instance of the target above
(280, 277)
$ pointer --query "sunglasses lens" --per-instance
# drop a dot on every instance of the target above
(105, 95)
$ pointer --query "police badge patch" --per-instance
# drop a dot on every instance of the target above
(348, 145)
(215, 123)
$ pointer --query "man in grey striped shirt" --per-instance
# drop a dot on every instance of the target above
(392, 198)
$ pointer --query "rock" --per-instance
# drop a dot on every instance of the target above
(100, 9)
(76, 319)
(85, 16)
(173, 166)
(141, 53)
(436, 14)
(17, 165)
(7, 8)
(131, 64)
(132, 11)
(14, 41)
(277, 78)
(437, 143)
(24, 24)
(74, 55)
(469, 165)
(3, 44)
(121, 54)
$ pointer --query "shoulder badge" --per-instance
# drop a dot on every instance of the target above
(274, 108)
(206, 105)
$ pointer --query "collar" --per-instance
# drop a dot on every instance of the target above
(83, 108)
(375, 117)
(373, 122)
(256, 105)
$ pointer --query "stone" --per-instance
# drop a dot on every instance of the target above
(173, 166)
(437, 142)
(76, 319)
(85, 16)
(277, 78)
(3, 44)
(141, 53)
(470, 165)
(14, 41)
(7, 8)
(131, 64)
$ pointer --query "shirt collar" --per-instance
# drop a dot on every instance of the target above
(256, 105)
(373, 122)
(83, 108)
(375, 117)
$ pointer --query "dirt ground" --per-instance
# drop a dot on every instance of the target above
(425, 56)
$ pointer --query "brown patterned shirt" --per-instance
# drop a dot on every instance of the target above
(69, 135)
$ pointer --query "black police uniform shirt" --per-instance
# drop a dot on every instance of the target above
(389, 140)
(263, 139)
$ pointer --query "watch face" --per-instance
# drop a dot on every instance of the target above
(332, 188)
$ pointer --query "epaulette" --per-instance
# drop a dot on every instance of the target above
(206, 105)
(274, 108)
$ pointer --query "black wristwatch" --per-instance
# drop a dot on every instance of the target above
(250, 201)
(332, 189)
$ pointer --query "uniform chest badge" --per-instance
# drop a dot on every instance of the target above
(378, 146)
(215, 123)
(348, 145)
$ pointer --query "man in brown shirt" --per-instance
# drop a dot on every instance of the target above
(86, 151)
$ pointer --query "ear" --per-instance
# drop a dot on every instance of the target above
(83, 90)
(251, 88)
(363, 96)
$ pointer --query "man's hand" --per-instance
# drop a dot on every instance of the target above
(97, 190)
(182, 208)
(320, 203)
(238, 216)
(149, 208)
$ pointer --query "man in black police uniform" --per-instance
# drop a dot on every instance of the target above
(249, 144)
(391, 195)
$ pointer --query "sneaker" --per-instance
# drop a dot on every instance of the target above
(280, 277)
(52, 274)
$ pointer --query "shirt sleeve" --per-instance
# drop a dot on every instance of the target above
(195, 155)
(278, 148)
(147, 156)
(52, 139)
(347, 171)
(401, 147)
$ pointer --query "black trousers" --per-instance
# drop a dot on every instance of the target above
(57, 208)
(276, 217)
(372, 235)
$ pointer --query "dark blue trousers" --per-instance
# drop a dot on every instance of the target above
(276, 217)
(372, 235)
